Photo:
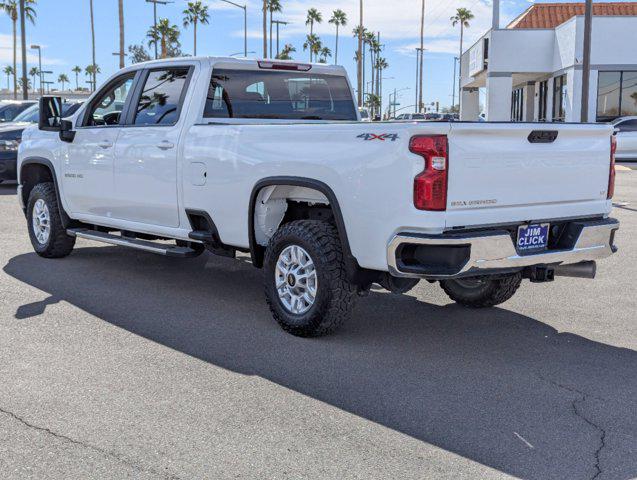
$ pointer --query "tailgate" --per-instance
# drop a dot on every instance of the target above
(500, 173)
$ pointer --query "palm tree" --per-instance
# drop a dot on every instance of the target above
(286, 51)
(324, 54)
(10, 7)
(273, 6)
(62, 78)
(339, 19)
(166, 34)
(265, 28)
(8, 71)
(462, 17)
(77, 70)
(374, 48)
(313, 16)
(34, 72)
(93, 70)
(196, 13)
(311, 42)
(121, 34)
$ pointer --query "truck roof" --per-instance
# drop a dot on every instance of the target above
(243, 63)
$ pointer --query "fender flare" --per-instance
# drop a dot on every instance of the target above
(48, 164)
(257, 251)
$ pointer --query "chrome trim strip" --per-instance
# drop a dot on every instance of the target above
(498, 251)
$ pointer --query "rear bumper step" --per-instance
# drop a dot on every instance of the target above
(145, 245)
(479, 253)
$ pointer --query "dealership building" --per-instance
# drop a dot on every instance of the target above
(532, 69)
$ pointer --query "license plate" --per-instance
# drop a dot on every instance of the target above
(532, 238)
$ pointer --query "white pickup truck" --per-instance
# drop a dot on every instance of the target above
(181, 156)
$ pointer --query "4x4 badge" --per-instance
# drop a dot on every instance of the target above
(382, 137)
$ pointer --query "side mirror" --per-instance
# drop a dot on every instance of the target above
(67, 134)
(50, 114)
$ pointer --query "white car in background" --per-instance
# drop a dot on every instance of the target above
(626, 138)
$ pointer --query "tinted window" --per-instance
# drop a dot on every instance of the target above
(106, 109)
(32, 114)
(278, 95)
(627, 126)
(160, 98)
(418, 116)
(629, 93)
(9, 112)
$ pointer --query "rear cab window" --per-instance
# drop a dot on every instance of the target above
(284, 95)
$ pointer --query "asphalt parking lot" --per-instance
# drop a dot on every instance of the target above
(120, 364)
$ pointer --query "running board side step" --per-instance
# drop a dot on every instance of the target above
(145, 245)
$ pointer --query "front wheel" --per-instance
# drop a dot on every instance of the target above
(482, 292)
(306, 284)
(48, 235)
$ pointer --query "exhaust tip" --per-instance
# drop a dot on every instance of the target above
(577, 270)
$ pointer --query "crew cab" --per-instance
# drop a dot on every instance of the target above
(269, 158)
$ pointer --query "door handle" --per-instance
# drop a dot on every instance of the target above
(105, 144)
(165, 145)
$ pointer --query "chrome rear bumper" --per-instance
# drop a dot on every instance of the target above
(482, 252)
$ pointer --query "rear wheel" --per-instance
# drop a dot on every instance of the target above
(306, 284)
(48, 235)
(481, 292)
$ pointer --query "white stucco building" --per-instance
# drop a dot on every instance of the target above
(532, 69)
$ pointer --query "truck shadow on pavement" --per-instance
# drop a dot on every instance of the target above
(493, 386)
(8, 189)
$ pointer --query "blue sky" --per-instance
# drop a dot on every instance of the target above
(63, 29)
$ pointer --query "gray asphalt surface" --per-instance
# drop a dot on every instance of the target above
(118, 364)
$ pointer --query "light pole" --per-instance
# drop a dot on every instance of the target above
(586, 67)
(453, 93)
(278, 22)
(39, 49)
(241, 53)
(155, 2)
(245, 25)
(393, 104)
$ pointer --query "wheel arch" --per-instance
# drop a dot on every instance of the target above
(257, 251)
(34, 170)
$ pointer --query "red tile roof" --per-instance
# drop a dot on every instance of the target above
(550, 15)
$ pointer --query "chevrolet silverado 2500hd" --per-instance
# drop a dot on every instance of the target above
(266, 157)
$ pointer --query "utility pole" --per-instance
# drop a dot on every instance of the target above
(155, 3)
(420, 60)
(23, 42)
(453, 91)
(359, 56)
(122, 53)
(422, 48)
(586, 70)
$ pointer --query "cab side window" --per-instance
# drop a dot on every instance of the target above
(627, 126)
(160, 99)
(107, 108)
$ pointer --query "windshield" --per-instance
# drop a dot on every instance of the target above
(32, 114)
(285, 95)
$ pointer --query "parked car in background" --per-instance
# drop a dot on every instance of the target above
(410, 116)
(365, 116)
(433, 116)
(626, 138)
(9, 109)
(11, 136)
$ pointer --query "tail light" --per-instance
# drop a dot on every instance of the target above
(430, 186)
(611, 175)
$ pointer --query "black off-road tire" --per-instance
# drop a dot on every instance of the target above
(335, 295)
(59, 244)
(486, 291)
